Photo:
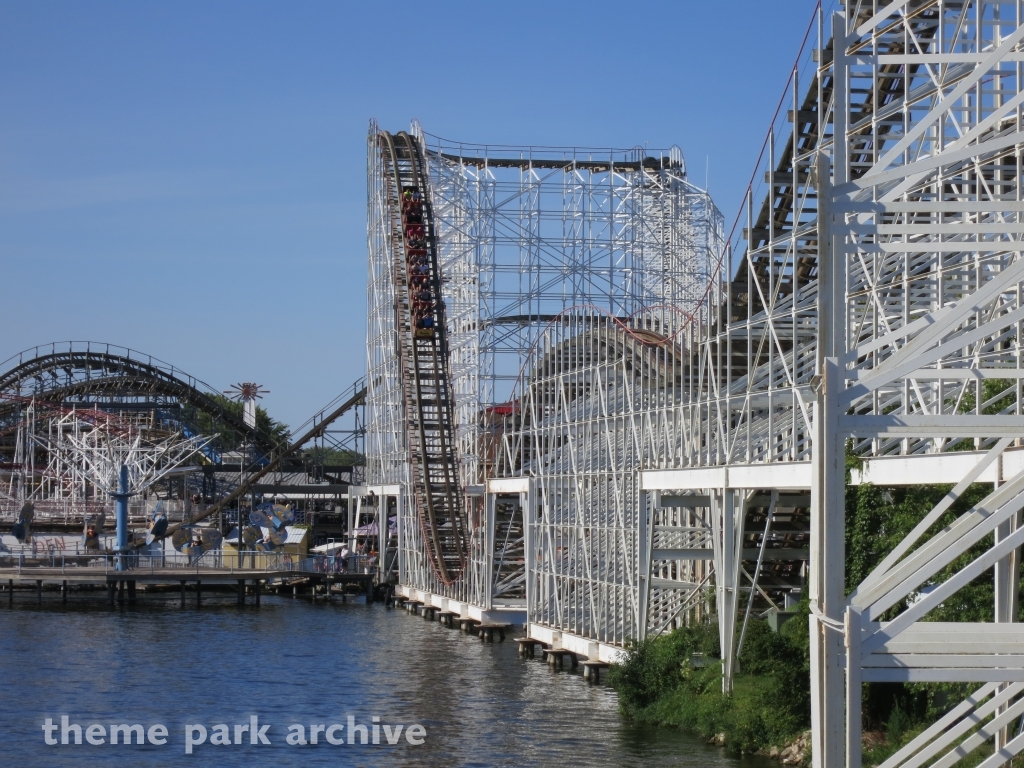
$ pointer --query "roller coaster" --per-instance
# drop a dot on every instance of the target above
(105, 385)
(423, 352)
(867, 299)
(82, 372)
(597, 411)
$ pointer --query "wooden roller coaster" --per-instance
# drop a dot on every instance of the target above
(423, 352)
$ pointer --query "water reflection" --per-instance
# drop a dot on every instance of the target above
(294, 662)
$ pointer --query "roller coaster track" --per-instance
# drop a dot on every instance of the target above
(52, 374)
(311, 429)
(423, 352)
(59, 372)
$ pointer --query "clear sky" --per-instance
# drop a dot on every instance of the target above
(189, 178)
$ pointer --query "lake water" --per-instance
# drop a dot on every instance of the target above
(293, 662)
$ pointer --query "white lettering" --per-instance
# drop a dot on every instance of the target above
(96, 734)
(126, 732)
(190, 741)
(352, 728)
(49, 728)
(331, 739)
(314, 729)
(257, 732)
(392, 737)
(220, 735)
(66, 729)
(415, 734)
(297, 735)
(157, 734)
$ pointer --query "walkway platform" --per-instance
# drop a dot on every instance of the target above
(508, 615)
(74, 575)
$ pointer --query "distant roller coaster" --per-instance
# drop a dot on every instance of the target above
(84, 372)
(103, 384)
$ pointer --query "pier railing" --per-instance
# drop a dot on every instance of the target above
(219, 560)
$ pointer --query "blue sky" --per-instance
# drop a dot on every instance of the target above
(189, 178)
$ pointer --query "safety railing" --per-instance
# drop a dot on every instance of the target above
(336, 564)
(226, 561)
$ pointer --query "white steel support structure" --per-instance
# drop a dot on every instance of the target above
(869, 299)
(531, 242)
(920, 352)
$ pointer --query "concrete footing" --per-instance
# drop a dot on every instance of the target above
(487, 632)
(592, 670)
(528, 646)
(556, 658)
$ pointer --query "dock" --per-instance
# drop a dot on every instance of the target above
(171, 572)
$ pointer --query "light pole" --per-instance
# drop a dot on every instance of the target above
(247, 393)
(121, 497)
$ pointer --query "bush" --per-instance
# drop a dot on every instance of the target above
(658, 682)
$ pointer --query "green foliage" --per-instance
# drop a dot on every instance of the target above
(654, 667)
(269, 430)
(898, 724)
(991, 403)
(676, 679)
(877, 519)
(660, 683)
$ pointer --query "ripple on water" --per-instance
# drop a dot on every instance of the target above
(294, 662)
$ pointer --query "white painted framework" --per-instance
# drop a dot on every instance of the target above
(920, 309)
(532, 242)
(868, 297)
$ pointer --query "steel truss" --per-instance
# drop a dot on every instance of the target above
(921, 308)
(532, 242)
(870, 300)
(600, 402)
